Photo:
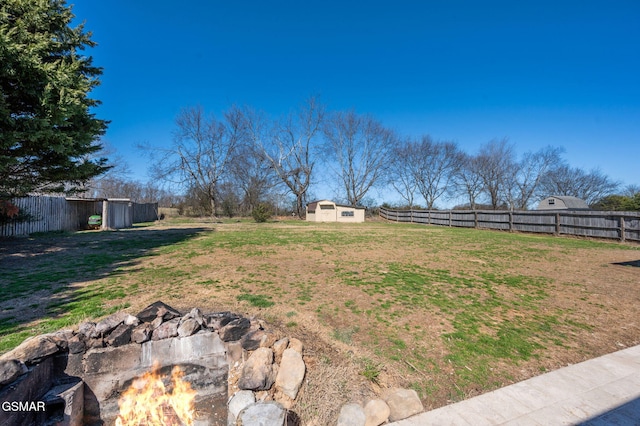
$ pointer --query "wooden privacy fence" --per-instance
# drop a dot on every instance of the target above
(46, 214)
(144, 212)
(622, 226)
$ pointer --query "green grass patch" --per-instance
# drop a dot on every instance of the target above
(345, 335)
(257, 300)
(370, 370)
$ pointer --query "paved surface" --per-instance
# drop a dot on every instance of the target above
(602, 391)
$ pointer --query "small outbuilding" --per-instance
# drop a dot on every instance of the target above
(562, 202)
(328, 211)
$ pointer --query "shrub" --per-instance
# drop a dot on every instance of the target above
(261, 213)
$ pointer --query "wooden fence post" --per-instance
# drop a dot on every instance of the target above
(622, 228)
(557, 224)
(475, 219)
(450, 217)
(510, 221)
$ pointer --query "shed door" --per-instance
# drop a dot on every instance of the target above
(327, 213)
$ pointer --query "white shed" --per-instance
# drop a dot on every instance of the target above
(562, 202)
(328, 211)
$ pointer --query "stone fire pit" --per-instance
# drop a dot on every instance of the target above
(76, 377)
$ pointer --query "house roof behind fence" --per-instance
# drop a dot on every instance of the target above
(570, 202)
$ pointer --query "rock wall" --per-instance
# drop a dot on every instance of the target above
(243, 373)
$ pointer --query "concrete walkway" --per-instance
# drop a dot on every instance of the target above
(602, 391)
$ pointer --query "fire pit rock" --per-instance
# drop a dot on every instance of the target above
(75, 377)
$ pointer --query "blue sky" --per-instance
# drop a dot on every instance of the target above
(560, 73)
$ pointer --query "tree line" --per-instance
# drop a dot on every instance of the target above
(246, 158)
(231, 164)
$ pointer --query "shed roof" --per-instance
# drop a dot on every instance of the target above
(570, 202)
(312, 205)
(123, 200)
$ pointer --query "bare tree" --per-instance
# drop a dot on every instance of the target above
(400, 175)
(529, 172)
(119, 171)
(467, 180)
(631, 190)
(589, 186)
(361, 149)
(289, 146)
(252, 176)
(495, 165)
(118, 187)
(202, 150)
(434, 167)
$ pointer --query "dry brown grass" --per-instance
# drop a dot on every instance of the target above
(377, 305)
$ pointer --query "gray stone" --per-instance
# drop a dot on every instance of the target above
(120, 336)
(157, 309)
(239, 402)
(86, 330)
(188, 327)
(296, 345)
(234, 352)
(351, 415)
(156, 323)
(109, 323)
(197, 315)
(262, 414)
(402, 403)
(280, 346)
(32, 350)
(258, 372)
(141, 333)
(95, 343)
(10, 370)
(166, 330)
(290, 373)
(131, 320)
(61, 338)
(253, 340)
(186, 349)
(376, 412)
(76, 344)
(234, 330)
(218, 320)
(98, 361)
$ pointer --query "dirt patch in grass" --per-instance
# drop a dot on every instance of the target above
(451, 313)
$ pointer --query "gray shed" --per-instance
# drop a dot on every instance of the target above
(562, 202)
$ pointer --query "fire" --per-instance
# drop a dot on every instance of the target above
(147, 402)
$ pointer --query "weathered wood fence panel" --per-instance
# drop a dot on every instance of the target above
(48, 214)
(45, 214)
(145, 212)
(614, 225)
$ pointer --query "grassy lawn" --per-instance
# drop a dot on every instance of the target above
(450, 312)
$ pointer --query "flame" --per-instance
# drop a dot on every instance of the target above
(147, 402)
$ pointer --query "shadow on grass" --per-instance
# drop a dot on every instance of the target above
(46, 278)
(635, 263)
